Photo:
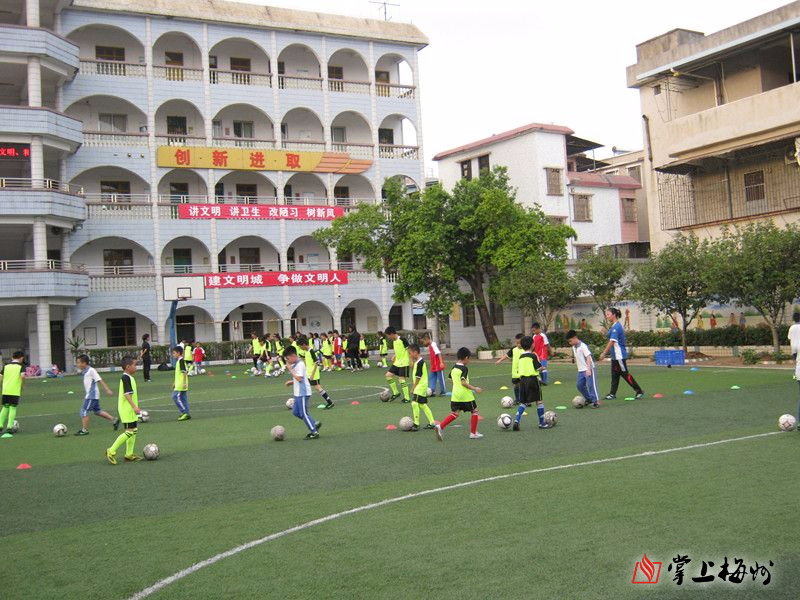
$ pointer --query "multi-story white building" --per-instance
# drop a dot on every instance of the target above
(124, 126)
(543, 162)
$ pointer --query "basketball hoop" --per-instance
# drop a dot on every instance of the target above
(183, 298)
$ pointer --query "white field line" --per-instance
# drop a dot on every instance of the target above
(160, 585)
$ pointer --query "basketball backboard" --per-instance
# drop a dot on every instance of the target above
(184, 287)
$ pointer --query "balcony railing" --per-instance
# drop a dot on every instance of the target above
(39, 265)
(103, 139)
(169, 199)
(349, 87)
(296, 82)
(218, 76)
(111, 67)
(115, 211)
(177, 139)
(304, 145)
(117, 270)
(353, 202)
(23, 183)
(238, 142)
(250, 268)
(355, 150)
(185, 269)
(309, 266)
(121, 283)
(393, 90)
(404, 152)
(177, 73)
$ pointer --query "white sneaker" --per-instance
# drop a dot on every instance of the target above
(439, 432)
(475, 436)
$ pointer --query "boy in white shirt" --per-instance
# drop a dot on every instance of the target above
(91, 399)
(587, 374)
(794, 334)
(302, 391)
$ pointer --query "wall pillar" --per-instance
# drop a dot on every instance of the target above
(34, 81)
(32, 13)
(44, 356)
(37, 158)
(40, 244)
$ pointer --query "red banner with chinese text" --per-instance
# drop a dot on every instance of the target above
(256, 211)
(273, 278)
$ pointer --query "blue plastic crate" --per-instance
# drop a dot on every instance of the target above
(670, 357)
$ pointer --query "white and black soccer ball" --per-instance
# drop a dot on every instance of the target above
(60, 430)
(15, 427)
(578, 402)
(202, 371)
(290, 403)
(144, 416)
(385, 395)
(151, 452)
(429, 393)
(551, 418)
(278, 433)
(253, 370)
(787, 422)
(504, 421)
(406, 423)
(506, 402)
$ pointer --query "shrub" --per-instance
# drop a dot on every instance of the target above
(749, 357)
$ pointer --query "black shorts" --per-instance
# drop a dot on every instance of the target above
(529, 391)
(313, 381)
(419, 399)
(463, 406)
(10, 400)
(399, 371)
(133, 425)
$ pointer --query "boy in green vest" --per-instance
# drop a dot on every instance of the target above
(514, 355)
(399, 368)
(383, 350)
(128, 408)
(463, 396)
(13, 382)
(529, 390)
(180, 391)
(312, 359)
(419, 375)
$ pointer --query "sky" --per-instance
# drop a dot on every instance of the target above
(493, 66)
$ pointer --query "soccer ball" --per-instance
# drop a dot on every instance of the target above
(579, 402)
(202, 371)
(151, 452)
(504, 421)
(406, 423)
(787, 423)
(430, 392)
(550, 418)
(15, 426)
(385, 395)
(506, 402)
(290, 403)
(144, 416)
(60, 430)
(278, 433)
(253, 370)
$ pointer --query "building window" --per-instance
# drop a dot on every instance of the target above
(178, 192)
(657, 90)
(581, 249)
(240, 64)
(121, 332)
(582, 207)
(386, 136)
(112, 123)
(115, 191)
(396, 317)
(247, 193)
(117, 261)
(554, 187)
(629, 210)
(635, 172)
(348, 318)
(754, 189)
(184, 327)
(483, 163)
(496, 310)
(557, 220)
(420, 322)
(468, 312)
(244, 129)
(109, 53)
(466, 170)
(252, 322)
(250, 259)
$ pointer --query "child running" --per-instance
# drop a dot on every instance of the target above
(91, 400)
(514, 355)
(399, 368)
(529, 390)
(463, 398)
(420, 388)
(13, 377)
(302, 391)
(587, 374)
(128, 408)
(180, 391)
(313, 359)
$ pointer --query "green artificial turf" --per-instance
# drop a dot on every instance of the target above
(74, 526)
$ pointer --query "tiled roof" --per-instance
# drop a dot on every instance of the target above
(505, 136)
(587, 179)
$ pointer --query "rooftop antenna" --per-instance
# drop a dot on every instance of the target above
(385, 7)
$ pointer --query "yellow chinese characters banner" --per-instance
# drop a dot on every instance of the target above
(254, 159)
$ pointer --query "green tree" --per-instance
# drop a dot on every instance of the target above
(602, 276)
(678, 279)
(760, 267)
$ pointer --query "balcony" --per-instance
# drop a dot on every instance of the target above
(297, 82)
(220, 77)
(28, 120)
(178, 139)
(111, 68)
(113, 207)
(34, 197)
(392, 90)
(42, 279)
(121, 283)
(250, 268)
(349, 87)
(177, 73)
(101, 139)
(239, 142)
(398, 152)
(355, 150)
(756, 119)
(29, 41)
(304, 145)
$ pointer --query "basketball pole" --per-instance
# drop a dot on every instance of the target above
(173, 334)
